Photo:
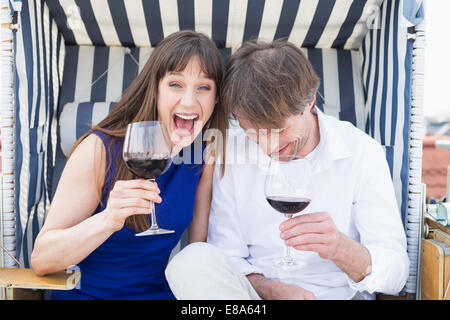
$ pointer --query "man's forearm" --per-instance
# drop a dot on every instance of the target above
(353, 258)
(275, 290)
(263, 286)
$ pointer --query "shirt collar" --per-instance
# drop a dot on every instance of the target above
(332, 146)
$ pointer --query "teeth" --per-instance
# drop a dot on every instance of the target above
(186, 117)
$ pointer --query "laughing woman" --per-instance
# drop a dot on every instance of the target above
(99, 205)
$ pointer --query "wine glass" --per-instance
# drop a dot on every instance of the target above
(288, 190)
(147, 153)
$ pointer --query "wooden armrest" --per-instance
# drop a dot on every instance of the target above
(440, 236)
(436, 225)
(27, 279)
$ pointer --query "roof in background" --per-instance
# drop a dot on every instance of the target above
(434, 167)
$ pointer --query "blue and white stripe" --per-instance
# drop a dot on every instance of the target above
(387, 72)
(38, 46)
(385, 75)
(77, 118)
(313, 23)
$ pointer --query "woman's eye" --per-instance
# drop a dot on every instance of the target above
(174, 85)
(206, 88)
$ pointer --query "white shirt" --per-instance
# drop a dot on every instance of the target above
(351, 181)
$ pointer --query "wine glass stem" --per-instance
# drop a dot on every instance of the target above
(153, 216)
(154, 225)
(287, 254)
(287, 249)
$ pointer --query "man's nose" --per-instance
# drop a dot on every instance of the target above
(269, 143)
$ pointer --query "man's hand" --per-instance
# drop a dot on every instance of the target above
(275, 290)
(317, 232)
(312, 232)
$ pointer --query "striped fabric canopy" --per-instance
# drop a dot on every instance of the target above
(136, 23)
(75, 57)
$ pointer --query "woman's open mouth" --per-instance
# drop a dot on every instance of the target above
(184, 123)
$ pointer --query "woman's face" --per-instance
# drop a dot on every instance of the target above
(186, 101)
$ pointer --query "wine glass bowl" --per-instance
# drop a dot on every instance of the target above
(288, 190)
(147, 168)
(147, 153)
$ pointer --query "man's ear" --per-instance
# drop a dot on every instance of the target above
(313, 100)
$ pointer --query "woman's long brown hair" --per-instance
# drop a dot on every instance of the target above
(139, 101)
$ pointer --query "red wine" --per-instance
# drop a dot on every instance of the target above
(288, 205)
(148, 168)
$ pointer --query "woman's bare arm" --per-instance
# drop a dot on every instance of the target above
(67, 236)
(71, 231)
(198, 230)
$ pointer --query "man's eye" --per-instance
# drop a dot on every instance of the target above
(278, 131)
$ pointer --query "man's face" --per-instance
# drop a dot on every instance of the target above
(285, 142)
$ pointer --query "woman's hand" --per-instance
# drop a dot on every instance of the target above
(128, 198)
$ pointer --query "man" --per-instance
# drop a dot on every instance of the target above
(350, 237)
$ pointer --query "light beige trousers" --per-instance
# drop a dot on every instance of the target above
(202, 272)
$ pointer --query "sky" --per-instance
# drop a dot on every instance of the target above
(437, 61)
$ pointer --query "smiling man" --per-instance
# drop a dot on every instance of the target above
(350, 238)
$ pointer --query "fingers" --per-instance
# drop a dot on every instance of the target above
(136, 193)
(130, 202)
(131, 211)
(311, 247)
(137, 189)
(306, 239)
(304, 218)
(299, 229)
(326, 250)
(137, 184)
(130, 197)
(312, 232)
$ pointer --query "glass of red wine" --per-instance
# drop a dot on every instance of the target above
(288, 191)
(147, 152)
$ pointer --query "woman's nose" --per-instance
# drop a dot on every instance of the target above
(188, 99)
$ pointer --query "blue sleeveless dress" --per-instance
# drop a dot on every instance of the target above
(130, 267)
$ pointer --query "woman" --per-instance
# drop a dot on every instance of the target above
(99, 206)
